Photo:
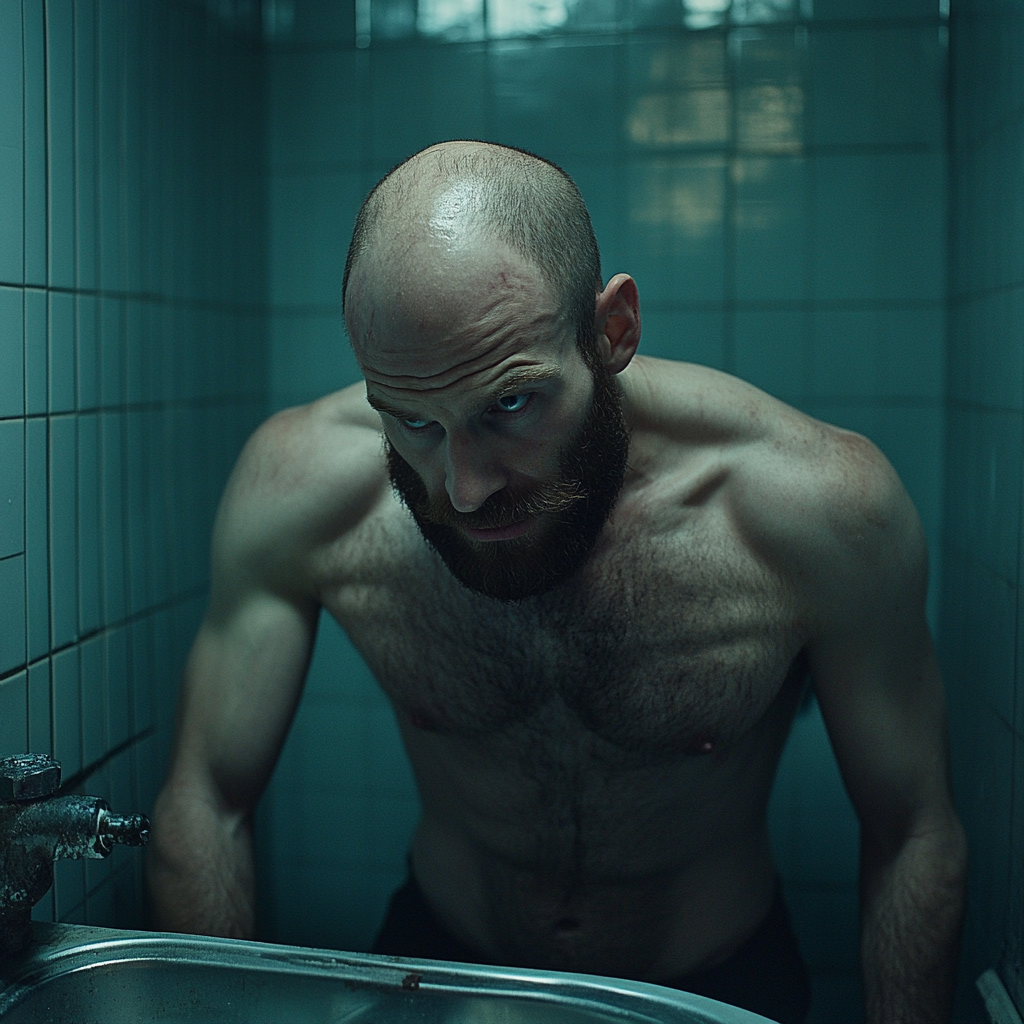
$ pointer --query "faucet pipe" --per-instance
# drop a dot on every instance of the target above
(37, 829)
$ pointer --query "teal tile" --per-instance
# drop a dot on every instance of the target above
(40, 733)
(324, 21)
(117, 686)
(654, 14)
(756, 12)
(309, 357)
(12, 147)
(12, 487)
(94, 712)
(986, 816)
(828, 849)
(135, 355)
(89, 533)
(318, 108)
(693, 336)
(819, 786)
(143, 670)
(836, 996)
(449, 100)
(36, 351)
(910, 353)
(672, 65)
(109, 109)
(63, 521)
(99, 907)
(61, 363)
(879, 228)
(390, 773)
(986, 350)
(85, 64)
(37, 550)
(601, 182)
(841, 10)
(35, 143)
(770, 238)
(555, 99)
(12, 352)
(134, 110)
(391, 20)
(311, 223)
(136, 494)
(67, 711)
(985, 449)
(69, 891)
(392, 823)
(769, 351)
(112, 507)
(319, 829)
(337, 671)
(826, 921)
(111, 352)
(14, 715)
(877, 85)
(878, 353)
(450, 22)
(769, 92)
(60, 140)
(675, 210)
(155, 480)
(991, 618)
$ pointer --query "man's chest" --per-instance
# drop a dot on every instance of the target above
(661, 645)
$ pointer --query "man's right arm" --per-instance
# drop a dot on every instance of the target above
(244, 675)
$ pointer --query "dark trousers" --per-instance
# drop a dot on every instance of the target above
(766, 975)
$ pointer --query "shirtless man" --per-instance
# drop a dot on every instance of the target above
(592, 585)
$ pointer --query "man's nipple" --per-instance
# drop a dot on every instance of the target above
(701, 745)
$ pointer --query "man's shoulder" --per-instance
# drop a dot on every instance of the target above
(307, 475)
(799, 489)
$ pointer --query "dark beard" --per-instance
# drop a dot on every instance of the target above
(570, 512)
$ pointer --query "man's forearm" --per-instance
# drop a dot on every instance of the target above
(912, 911)
(199, 870)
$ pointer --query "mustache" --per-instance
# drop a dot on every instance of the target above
(553, 500)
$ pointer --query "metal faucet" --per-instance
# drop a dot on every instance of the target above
(37, 826)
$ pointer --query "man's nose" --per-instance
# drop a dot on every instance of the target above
(471, 474)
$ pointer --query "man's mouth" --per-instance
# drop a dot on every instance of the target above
(509, 532)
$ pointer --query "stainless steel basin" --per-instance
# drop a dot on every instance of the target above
(81, 975)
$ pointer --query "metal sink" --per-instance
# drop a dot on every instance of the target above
(101, 976)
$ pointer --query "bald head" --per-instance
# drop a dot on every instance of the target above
(449, 201)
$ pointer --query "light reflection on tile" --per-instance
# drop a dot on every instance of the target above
(680, 118)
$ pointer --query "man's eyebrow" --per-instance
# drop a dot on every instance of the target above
(383, 406)
(514, 382)
(519, 379)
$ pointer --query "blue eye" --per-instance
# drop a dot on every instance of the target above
(415, 424)
(514, 403)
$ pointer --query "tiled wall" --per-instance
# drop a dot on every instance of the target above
(132, 367)
(775, 183)
(983, 600)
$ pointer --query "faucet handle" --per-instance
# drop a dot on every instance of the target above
(28, 776)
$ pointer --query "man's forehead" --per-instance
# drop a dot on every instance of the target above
(409, 307)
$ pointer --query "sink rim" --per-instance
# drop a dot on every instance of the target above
(60, 950)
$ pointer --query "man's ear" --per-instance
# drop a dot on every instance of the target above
(617, 321)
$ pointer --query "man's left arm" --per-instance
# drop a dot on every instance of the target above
(881, 696)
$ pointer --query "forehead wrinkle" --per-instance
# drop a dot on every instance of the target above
(476, 364)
